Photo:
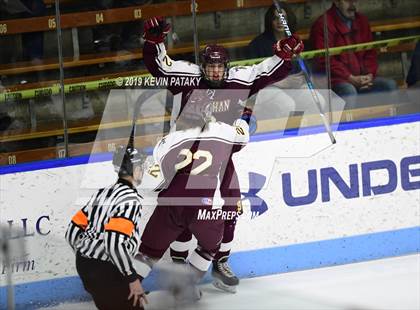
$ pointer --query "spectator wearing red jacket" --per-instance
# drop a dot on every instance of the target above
(351, 72)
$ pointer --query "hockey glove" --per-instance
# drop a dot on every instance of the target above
(246, 114)
(289, 47)
(250, 119)
(156, 29)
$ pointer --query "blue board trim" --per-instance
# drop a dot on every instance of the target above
(312, 130)
(80, 160)
(247, 264)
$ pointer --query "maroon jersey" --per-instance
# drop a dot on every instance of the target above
(241, 83)
(192, 162)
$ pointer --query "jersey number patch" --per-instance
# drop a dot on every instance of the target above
(167, 61)
(154, 171)
(189, 156)
(240, 131)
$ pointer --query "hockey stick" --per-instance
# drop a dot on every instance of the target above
(148, 93)
(195, 33)
(306, 74)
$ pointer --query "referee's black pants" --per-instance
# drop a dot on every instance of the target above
(105, 283)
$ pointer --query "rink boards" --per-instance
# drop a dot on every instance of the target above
(307, 204)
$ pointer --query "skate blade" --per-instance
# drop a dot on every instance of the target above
(226, 288)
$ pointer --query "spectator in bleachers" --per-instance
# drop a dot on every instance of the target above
(262, 45)
(280, 98)
(351, 73)
(413, 77)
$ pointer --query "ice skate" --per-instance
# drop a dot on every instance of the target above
(223, 276)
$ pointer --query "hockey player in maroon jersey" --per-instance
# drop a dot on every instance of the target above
(191, 161)
(225, 88)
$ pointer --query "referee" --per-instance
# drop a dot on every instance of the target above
(105, 234)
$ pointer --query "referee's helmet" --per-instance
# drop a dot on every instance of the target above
(126, 159)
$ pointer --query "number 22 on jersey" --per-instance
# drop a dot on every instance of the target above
(189, 157)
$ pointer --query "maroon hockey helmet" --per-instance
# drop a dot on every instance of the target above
(214, 54)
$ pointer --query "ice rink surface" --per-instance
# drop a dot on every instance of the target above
(392, 283)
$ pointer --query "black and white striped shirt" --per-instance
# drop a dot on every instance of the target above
(107, 228)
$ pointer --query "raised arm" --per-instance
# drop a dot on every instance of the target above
(271, 70)
(158, 62)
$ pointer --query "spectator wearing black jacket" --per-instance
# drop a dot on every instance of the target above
(290, 94)
(262, 45)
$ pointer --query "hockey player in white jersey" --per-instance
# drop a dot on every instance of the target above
(192, 160)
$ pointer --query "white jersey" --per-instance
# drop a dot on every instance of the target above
(193, 161)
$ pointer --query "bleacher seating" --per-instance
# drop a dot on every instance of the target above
(180, 8)
(117, 15)
(74, 150)
(55, 129)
